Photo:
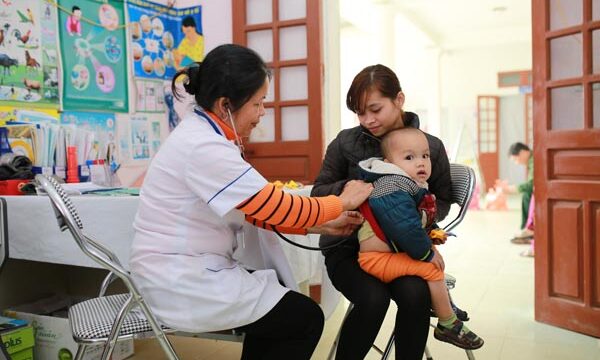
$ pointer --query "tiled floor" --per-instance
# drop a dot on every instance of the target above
(494, 284)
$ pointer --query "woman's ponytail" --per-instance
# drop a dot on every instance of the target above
(191, 80)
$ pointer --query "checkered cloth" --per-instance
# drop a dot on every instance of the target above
(93, 319)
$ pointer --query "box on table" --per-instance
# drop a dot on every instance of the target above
(17, 337)
(53, 338)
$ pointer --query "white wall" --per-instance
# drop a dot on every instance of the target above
(467, 73)
(331, 75)
(417, 67)
(216, 22)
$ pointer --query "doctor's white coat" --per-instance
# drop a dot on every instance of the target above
(187, 229)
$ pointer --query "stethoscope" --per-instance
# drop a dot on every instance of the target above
(239, 144)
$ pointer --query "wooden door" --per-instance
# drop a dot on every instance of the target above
(566, 112)
(529, 120)
(288, 143)
(487, 138)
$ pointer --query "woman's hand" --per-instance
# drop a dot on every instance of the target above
(437, 259)
(355, 193)
(343, 225)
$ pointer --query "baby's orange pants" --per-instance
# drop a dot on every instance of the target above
(389, 266)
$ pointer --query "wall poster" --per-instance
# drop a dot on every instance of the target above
(140, 136)
(93, 46)
(28, 57)
(164, 39)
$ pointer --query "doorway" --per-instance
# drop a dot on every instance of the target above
(512, 129)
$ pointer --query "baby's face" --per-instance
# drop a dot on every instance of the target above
(410, 152)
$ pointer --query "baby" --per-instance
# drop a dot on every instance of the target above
(397, 239)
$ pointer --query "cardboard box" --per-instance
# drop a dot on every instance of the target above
(17, 338)
(53, 338)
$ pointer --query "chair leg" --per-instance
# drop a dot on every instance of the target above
(164, 342)
(470, 355)
(337, 337)
(80, 352)
(116, 328)
(428, 354)
(388, 348)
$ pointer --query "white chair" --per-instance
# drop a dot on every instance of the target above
(463, 186)
(107, 319)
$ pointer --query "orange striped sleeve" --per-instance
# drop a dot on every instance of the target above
(284, 230)
(276, 207)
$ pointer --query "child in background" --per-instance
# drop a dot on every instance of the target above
(405, 216)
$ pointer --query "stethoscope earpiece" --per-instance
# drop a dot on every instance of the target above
(238, 139)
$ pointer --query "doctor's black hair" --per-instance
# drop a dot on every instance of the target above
(231, 71)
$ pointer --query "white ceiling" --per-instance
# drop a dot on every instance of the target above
(459, 23)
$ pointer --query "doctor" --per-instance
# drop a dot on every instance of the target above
(196, 195)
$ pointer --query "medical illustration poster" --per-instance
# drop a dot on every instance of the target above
(28, 55)
(150, 96)
(92, 35)
(164, 39)
(140, 136)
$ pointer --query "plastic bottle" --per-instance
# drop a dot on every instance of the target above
(72, 175)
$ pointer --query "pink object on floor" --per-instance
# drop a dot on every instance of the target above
(495, 199)
(474, 203)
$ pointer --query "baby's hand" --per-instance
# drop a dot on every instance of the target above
(439, 236)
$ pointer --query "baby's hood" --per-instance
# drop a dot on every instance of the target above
(374, 168)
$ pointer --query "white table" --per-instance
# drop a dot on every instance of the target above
(33, 234)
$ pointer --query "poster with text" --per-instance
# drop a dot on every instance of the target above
(28, 57)
(140, 136)
(94, 62)
(150, 96)
(164, 39)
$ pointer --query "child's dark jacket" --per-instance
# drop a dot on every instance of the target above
(395, 202)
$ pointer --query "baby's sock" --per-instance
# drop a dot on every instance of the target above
(450, 322)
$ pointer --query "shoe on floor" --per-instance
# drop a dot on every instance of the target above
(521, 241)
(458, 337)
(525, 233)
(528, 253)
